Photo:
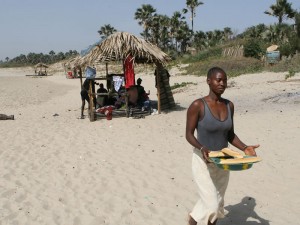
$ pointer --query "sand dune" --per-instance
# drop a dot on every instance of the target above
(58, 169)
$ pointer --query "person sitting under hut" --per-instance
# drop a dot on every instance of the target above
(121, 100)
(142, 95)
(101, 100)
(143, 98)
(112, 95)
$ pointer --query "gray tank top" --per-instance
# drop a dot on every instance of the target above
(212, 132)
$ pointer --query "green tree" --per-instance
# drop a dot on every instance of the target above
(175, 26)
(227, 33)
(21, 59)
(252, 49)
(200, 40)
(164, 26)
(184, 35)
(297, 28)
(6, 59)
(192, 5)
(257, 31)
(297, 24)
(32, 58)
(282, 9)
(52, 53)
(144, 15)
(106, 30)
(158, 30)
(278, 33)
(60, 56)
(71, 53)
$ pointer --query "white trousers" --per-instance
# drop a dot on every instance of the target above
(212, 183)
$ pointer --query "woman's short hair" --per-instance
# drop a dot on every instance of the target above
(214, 70)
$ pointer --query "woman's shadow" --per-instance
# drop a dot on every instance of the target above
(243, 214)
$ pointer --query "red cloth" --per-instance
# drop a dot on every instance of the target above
(105, 108)
(107, 111)
(129, 72)
(70, 74)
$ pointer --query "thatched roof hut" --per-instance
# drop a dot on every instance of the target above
(41, 65)
(70, 63)
(119, 45)
(40, 69)
(124, 47)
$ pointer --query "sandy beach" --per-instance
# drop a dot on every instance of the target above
(58, 169)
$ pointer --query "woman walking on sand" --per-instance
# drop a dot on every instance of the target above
(212, 116)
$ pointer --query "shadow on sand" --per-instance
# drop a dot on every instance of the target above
(176, 108)
(243, 214)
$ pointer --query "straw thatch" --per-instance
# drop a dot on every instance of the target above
(119, 45)
(71, 62)
(41, 65)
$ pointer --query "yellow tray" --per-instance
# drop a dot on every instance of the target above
(230, 163)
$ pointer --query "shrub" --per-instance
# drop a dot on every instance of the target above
(183, 84)
(290, 74)
(286, 49)
(232, 66)
(204, 55)
(253, 49)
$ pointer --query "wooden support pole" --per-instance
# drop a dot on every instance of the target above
(80, 76)
(91, 103)
(108, 83)
(158, 88)
(126, 94)
(106, 68)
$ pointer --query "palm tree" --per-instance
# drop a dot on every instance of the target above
(282, 9)
(257, 31)
(31, 58)
(52, 53)
(106, 30)
(164, 25)
(297, 29)
(192, 5)
(284, 32)
(60, 56)
(227, 33)
(158, 30)
(270, 35)
(145, 16)
(175, 22)
(297, 24)
(20, 59)
(200, 40)
(184, 35)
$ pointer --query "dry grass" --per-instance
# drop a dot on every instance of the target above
(233, 67)
(120, 45)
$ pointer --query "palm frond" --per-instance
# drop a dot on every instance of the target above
(118, 46)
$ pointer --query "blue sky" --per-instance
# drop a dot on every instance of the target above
(40, 26)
